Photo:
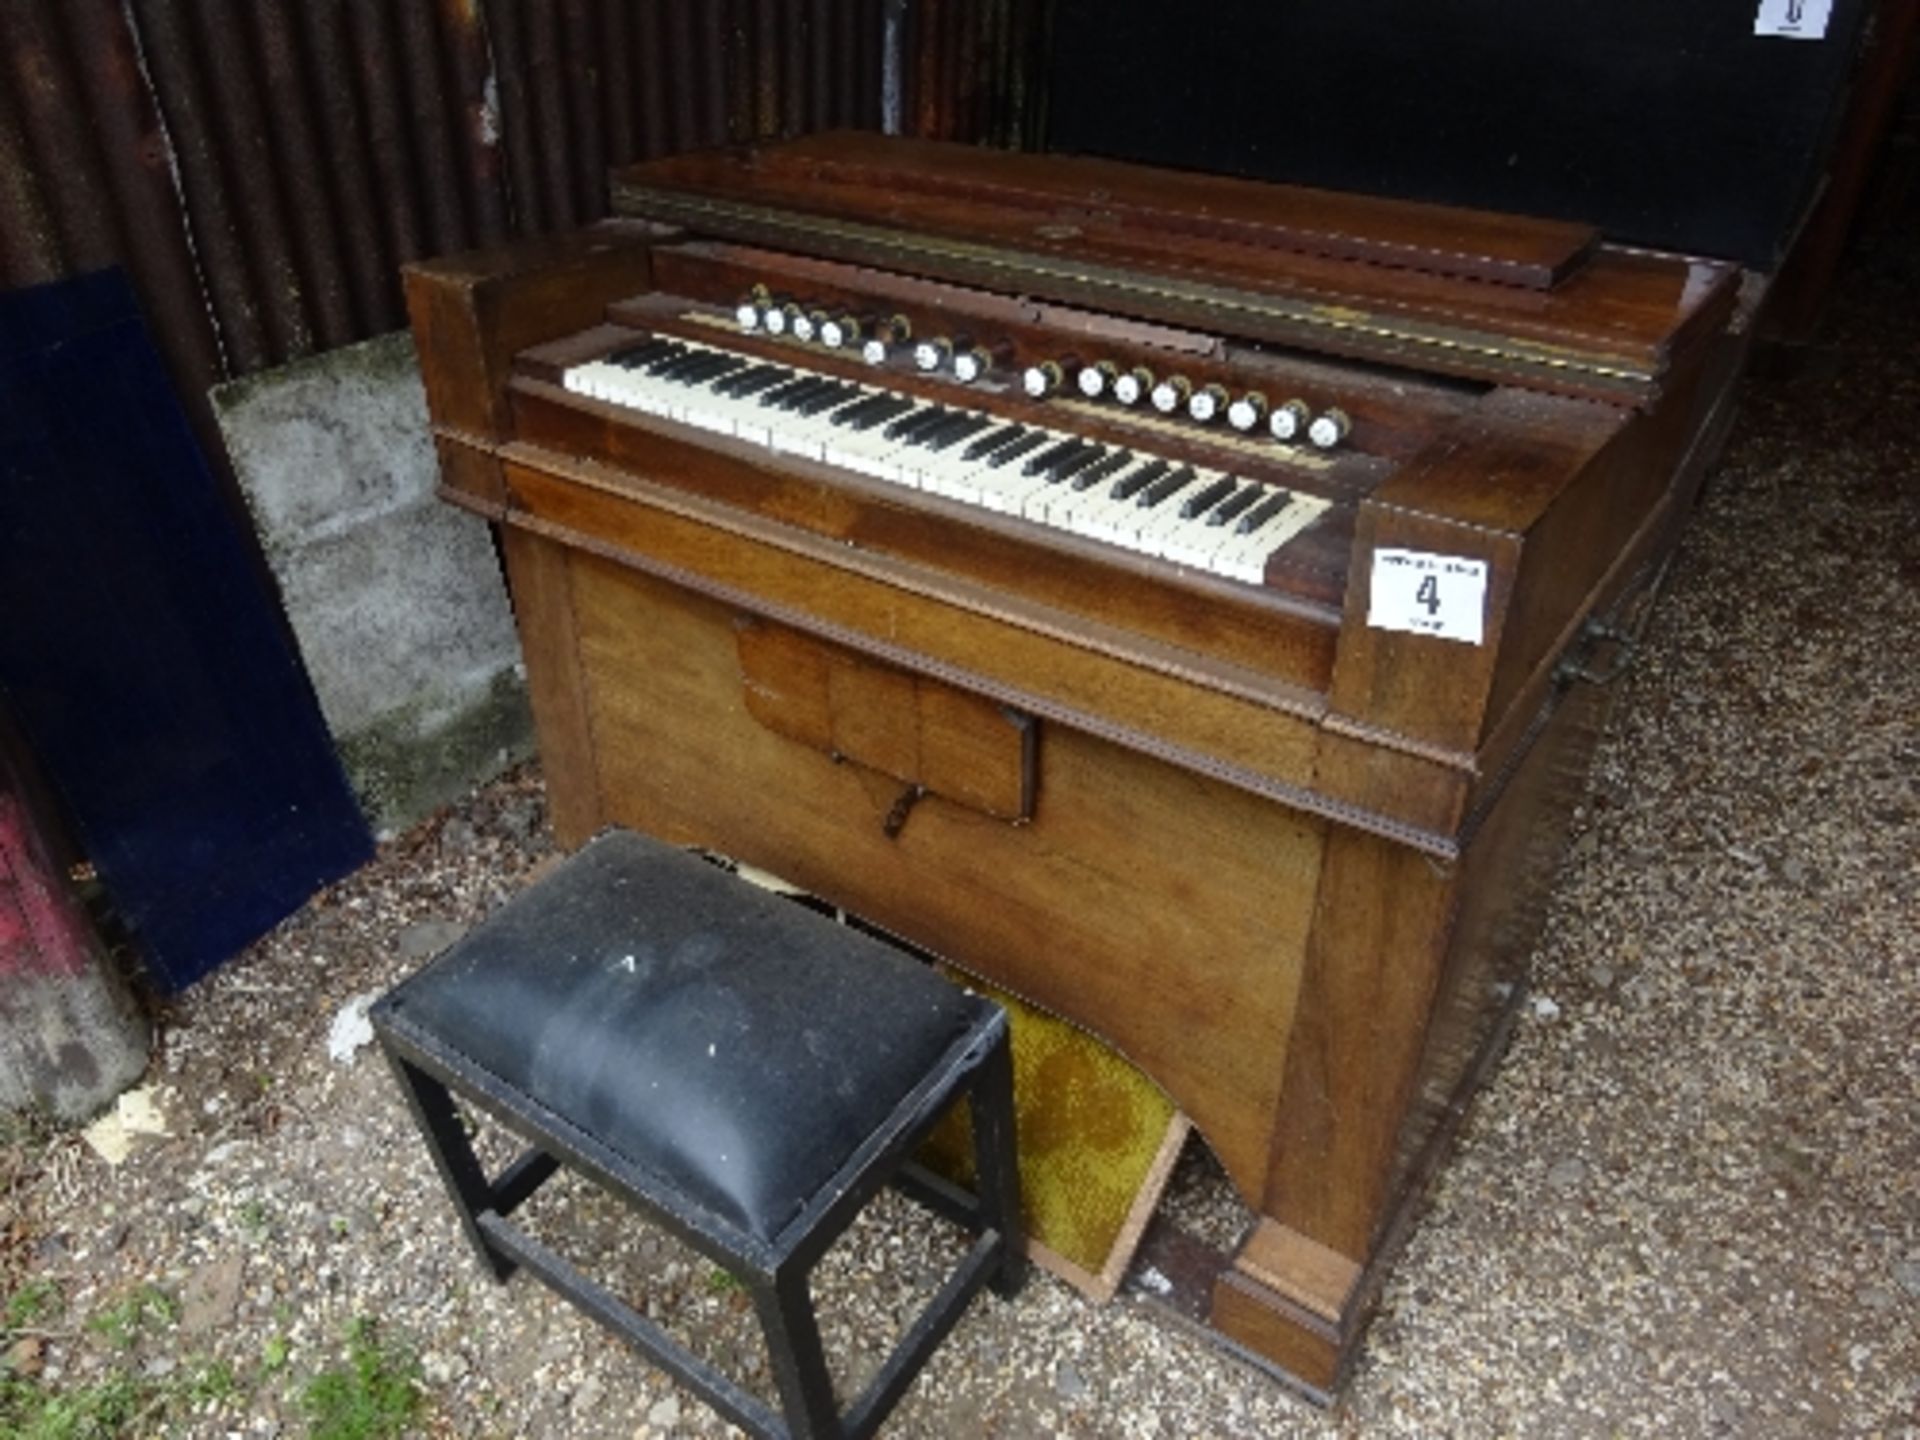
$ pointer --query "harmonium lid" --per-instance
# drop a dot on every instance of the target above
(1697, 128)
(1440, 289)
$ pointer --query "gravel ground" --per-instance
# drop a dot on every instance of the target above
(1687, 1204)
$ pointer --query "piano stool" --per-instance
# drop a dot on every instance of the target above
(741, 1071)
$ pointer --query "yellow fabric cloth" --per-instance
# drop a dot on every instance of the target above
(1093, 1133)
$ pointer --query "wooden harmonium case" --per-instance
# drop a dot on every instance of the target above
(1156, 594)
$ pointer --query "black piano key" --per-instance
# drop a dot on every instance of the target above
(714, 368)
(1131, 483)
(859, 410)
(954, 424)
(654, 364)
(1050, 456)
(891, 408)
(1100, 469)
(649, 350)
(672, 350)
(800, 395)
(906, 419)
(864, 413)
(849, 404)
(704, 369)
(831, 399)
(993, 440)
(779, 395)
(816, 398)
(976, 424)
(794, 381)
(926, 436)
(1169, 484)
(945, 416)
(676, 365)
(918, 427)
(1233, 504)
(750, 382)
(630, 355)
(1263, 512)
(952, 435)
(1074, 461)
(1013, 450)
(1206, 497)
(716, 383)
(773, 398)
(911, 426)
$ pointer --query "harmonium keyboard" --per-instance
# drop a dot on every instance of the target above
(1178, 600)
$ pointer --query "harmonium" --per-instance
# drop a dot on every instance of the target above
(1183, 602)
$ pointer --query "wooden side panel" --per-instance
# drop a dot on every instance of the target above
(470, 476)
(541, 582)
(1293, 1337)
(1381, 921)
(1152, 905)
(1506, 878)
(1518, 486)
(1320, 1280)
(472, 312)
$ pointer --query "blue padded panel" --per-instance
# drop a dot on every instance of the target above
(735, 1044)
(142, 653)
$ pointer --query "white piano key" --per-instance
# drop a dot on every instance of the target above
(1103, 517)
(1166, 525)
(1246, 558)
(1193, 543)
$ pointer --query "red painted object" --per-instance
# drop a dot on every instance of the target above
(42, 931)
(71, 1038)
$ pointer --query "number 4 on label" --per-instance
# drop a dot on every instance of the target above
(1429, 594)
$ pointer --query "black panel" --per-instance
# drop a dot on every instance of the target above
(1662, 122)
(139, 651)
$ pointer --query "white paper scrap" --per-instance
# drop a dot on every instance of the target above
(135, 1113)
(350, 1029)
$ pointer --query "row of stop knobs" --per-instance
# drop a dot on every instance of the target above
(878, 340)
(1291, 420)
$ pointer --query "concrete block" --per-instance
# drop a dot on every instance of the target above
(396, 599)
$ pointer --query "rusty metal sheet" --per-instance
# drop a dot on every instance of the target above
(264, 170)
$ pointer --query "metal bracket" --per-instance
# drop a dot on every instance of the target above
(1594, 633)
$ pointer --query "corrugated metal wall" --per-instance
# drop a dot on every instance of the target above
(263, 169)
(975, 68)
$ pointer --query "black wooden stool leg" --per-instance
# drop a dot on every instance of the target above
(799, 1363)
(446, 1137)
(994, 1165)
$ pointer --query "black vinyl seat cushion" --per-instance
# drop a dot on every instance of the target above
(737, 1045)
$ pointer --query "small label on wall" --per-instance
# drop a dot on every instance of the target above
(1793, 19)
(1443, 595)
